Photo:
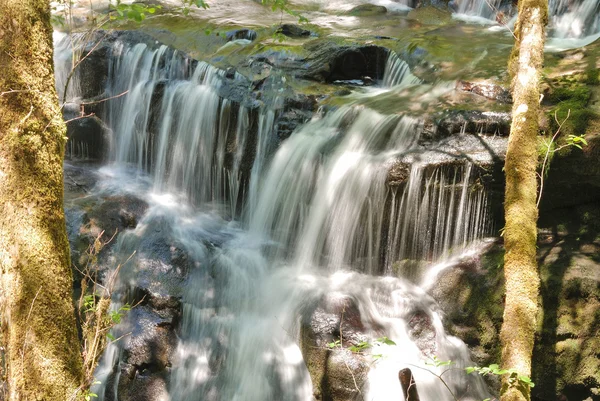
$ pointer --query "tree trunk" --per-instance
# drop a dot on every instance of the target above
(38, 322)
(520, 233)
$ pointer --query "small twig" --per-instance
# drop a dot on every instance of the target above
(105, 99)
(439, 377)
(494, 8)
(80, 117)
(64, 99)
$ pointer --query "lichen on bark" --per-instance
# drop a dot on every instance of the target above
(38, 322)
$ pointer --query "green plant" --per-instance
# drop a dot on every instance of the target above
(134, 12)
(493, 369)
(549, 149)
(282, 7)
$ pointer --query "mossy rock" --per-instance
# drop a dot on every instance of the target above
(367, 10)
(569, 97)
(431, 16)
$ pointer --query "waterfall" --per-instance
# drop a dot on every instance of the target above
(574, 19)
(397, 72)
(568, 19)
(319, 218)
(172, 124)
(441, 212)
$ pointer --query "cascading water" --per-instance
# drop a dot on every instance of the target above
(574, 19)
(397, 72)
(577, 19)
(173, 124)
(320, 220)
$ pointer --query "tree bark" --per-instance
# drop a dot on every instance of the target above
(38, 321)
(520, 233)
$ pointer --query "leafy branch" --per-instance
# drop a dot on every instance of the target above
(577, 141)
(493, 369)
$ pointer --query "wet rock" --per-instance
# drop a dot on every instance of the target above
(431, 15)
(422, 333)
(106, 216)
(329, 62)
(332, 368)
(247, 34)
(298, 109)
(456, 121)
(294, 31)
(398, 173)
(79, 179)
(142, 385)
(486, 89)
(152, 340)
(367, 10)
(148, 353)
(88, 138)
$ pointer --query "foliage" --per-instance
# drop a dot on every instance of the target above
(134, 12)
(283, 7)
(494, 369)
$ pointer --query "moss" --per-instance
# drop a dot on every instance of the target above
(592, 76)
(569, 98)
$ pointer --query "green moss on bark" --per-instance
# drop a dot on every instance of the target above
(38, 322)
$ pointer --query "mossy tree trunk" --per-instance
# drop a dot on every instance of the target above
(38, 321)
(520, 233)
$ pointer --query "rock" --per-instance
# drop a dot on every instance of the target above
(294, 31)
(107, 215)
(367, 10)
(328, 366)
(565, 361)
(486, 89)
(152, 340)
(245, 33)
(329, 62)
(455, 121)
(574, 171)
(88, 138)
(142, 386)
(431, 15)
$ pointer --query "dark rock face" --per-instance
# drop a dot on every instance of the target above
(330, 62)
(88, 138)
(147, 355)
(455, 121)
(294, 31)
(245, 33)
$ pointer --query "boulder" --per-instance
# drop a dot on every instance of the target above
(488, 90)
(328, 62)
(486, 122)
(294, 31)
(367, 10)
(334, 368)
(245, 33)
(88, 138)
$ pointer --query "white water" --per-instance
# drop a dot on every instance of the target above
(319, 220)
(571, 23)
(397, 72)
